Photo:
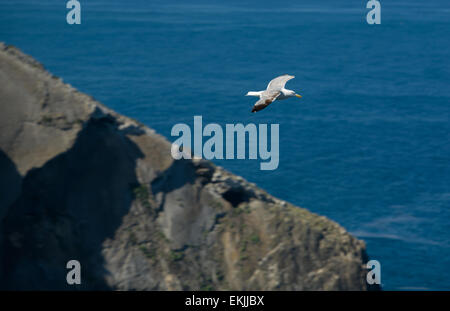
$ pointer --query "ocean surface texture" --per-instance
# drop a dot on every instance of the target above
(368, 145)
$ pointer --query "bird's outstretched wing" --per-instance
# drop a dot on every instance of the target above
(266, 98)
(279, 82)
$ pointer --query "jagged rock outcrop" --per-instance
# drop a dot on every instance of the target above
(79, 181)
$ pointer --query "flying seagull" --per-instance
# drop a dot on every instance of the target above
(275, 90)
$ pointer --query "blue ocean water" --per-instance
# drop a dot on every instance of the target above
(368, 145)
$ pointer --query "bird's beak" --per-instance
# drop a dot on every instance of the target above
(298, 95)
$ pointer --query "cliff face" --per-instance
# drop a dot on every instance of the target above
(79, 181)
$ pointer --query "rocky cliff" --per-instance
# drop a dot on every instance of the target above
(79, 181)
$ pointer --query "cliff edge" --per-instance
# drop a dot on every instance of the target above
(79, 181)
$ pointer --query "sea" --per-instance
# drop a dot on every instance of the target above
(368, 144)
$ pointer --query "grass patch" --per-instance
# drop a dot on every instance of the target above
(142, 194)
(176, 255)
(219, 275)
(162, 236)
(237, 211)
(216, 204)
(243, 257)
(149, 253)
(207, 288)
(205, 233)
(244, 246)
(254, 238)
(46, 120)
(132, 238)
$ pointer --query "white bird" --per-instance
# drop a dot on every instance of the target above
(275, 90)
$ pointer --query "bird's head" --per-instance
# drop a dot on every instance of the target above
(292, 93)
